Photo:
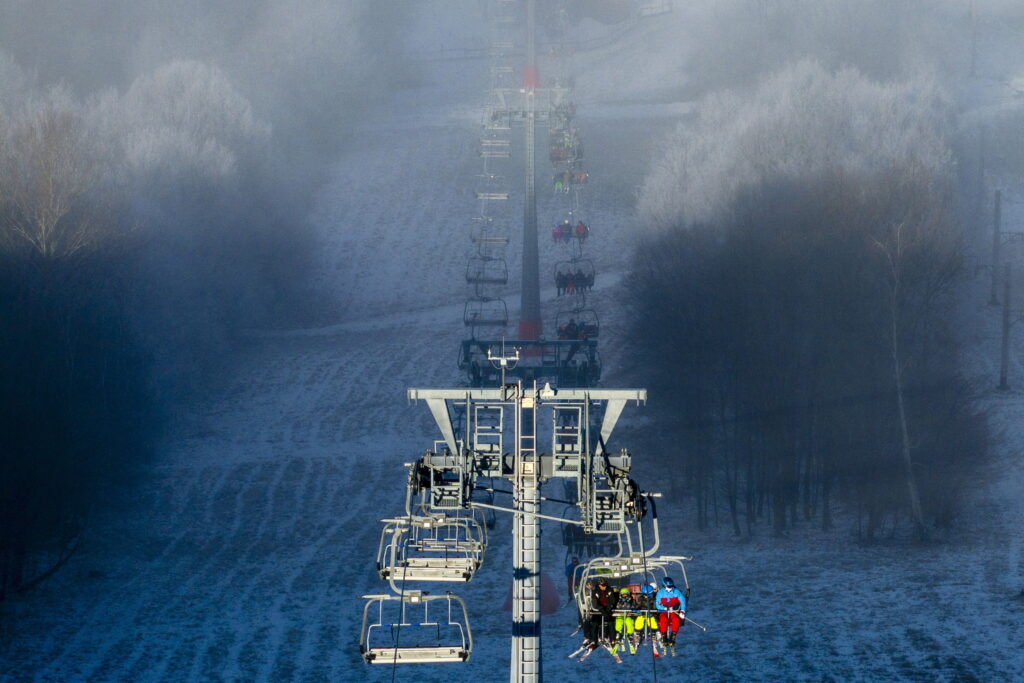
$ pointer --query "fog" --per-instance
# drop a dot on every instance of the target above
(233, 231)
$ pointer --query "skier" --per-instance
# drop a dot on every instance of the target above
(625, 633)
(572, 331)
(646, 624)
(566, 180)
(591, 639)
(603, 602)
(579, 280)
(671, 605)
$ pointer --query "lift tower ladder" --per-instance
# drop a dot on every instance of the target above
(526, 661)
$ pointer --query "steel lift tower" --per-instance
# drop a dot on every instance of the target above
(530, 325)
(527, 435)
(579, 424)
(532, 413)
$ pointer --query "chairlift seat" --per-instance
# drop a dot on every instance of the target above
(485, 313)
(490, 239)
(484, 271)
(436, 569)
(415, 655)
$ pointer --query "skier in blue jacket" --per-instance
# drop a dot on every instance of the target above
(671, 603)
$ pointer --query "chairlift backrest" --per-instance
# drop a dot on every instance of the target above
(431, 548)
(486, 271)
(485, 312)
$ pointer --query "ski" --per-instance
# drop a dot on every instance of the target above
(579, 650)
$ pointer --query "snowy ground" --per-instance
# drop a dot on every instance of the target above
(250, 544)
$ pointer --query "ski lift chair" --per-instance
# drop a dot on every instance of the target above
(580, 272)
(494, 147)
(627, 571)
(396, 631)
(582, 544)
(485, 312)
(431, 548)
(486, 271)
(588, 325)
(493, 196)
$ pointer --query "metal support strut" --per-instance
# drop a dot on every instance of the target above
(526, 661)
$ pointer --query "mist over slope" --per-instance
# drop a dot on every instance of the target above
(244, 550)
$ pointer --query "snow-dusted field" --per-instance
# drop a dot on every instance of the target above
(249, 544)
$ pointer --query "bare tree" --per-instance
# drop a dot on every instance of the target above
(49, 178)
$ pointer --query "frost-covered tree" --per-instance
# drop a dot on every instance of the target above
(50, 174)
(801, 254)
(802, 121)
(183, 121)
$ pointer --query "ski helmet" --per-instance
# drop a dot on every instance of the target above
(648, 589)
(623, 591)
(667, 582)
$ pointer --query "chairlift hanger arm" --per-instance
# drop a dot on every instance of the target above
(523, 512)
(509, 493)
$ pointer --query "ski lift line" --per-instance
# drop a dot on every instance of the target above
(654, 660)
(525, 513)
(398, 632)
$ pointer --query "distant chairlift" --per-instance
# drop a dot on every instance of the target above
(415, 628)
(490, 195)
(577, 274)
(565, 363)
(485, 312)
(495, 147)
(490, 240)
(497, 119)
(486, 271)
(588, 326)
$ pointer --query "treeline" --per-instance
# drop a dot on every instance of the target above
(141, 228)
(139, 231)
(73, 376)
(794, 306)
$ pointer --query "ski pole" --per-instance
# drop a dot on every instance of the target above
(702, 628)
